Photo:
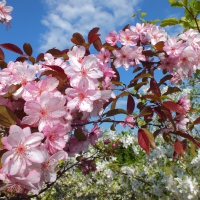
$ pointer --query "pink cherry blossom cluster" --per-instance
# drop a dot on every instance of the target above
(30, 158)
(5, 11)
(179, 56)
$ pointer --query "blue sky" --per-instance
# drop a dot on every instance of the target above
(50, 23)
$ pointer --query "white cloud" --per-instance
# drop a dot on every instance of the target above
(64, 17)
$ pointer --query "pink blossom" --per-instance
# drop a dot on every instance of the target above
(46, 110)
(5, 12)
(156, 34)
(130, 121)
(127, 37)
(123, 57)
(181, 123)
(112, 38)
(185, 103)
(77, 52)
(82, 97)
(56, 138)
(47, 167)
(20, 183)
(49, 60)
(87, 70)
(24, 150)
(103, 56)
(35, 89)
(74, 146)
(173, 48)
(95, 134)
(137, 55)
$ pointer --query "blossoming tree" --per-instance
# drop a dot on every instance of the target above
(47, 102)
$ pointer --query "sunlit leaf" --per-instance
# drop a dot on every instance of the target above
(174, 107)
(151, 137)
(169, 22)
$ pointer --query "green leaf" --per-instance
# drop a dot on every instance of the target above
(143, 14)
(169, 22)
(177, 4)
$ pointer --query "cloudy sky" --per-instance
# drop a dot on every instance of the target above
(50, 23)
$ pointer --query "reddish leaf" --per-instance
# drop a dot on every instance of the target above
(115, 112)
(139, 85)
(143, 140)
(126, 27)
(78, 133)
(28, 49)
(55, 68)
(189, 137)
(151, 137)
(148, 53)
(159, 46)
(154, 87)
(93, 38)
(97, 44)
(40, 57)
(55, 52)
(130, 104)
(174, 107)
(94, 31)
(141, 76)
(152, 97)
(185, 144)
(2, 56)
(169, 116)
(78, 39)
(21, 59)
(12, 47)
(197, 121)
(145, 111)
(160, 113)
(171, 90)
(3, 64)
(178, 147)
(165, 78)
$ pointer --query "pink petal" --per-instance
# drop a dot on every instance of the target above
(35, 155)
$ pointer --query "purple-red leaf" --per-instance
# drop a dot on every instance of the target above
(93, 38)
(97, 44)
(143, 140)
(130, 104)
(178, 147)
(56, 68)
(40, 57)
(197, 121)
(2, 56)
(94, 31)
(78, 39)
(12, 47)
(174, 107)
(154, 87)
